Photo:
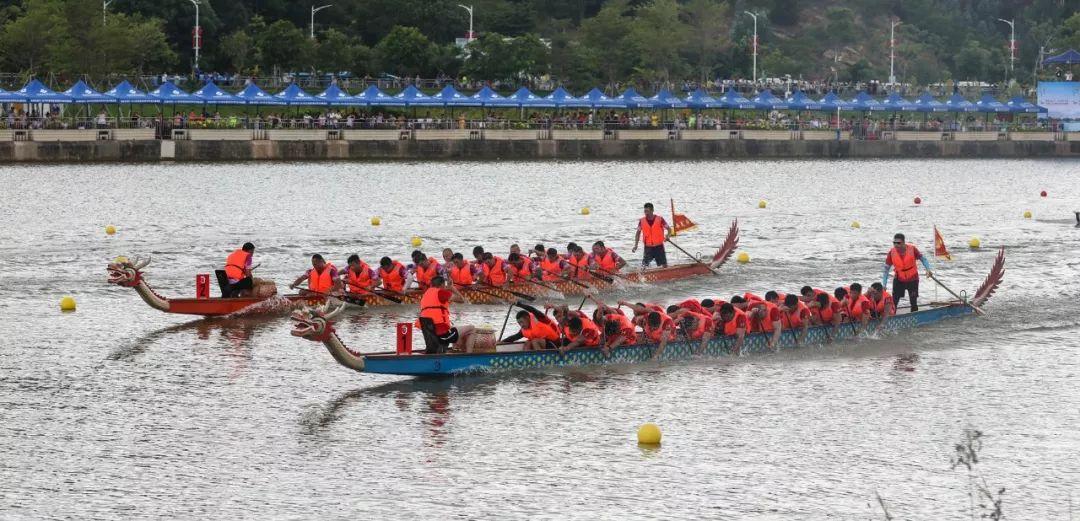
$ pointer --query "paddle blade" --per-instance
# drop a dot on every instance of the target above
(993, 280)
(728, 248)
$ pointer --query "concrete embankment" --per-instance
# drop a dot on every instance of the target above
(454, 149)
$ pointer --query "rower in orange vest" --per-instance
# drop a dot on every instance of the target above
(605, 258)
(425, 269)
(658, 328)
(539, 252)
(462, 273)
(521, 267)
(857, 307)
(809, 294)
(392, 274)
(794, 315)
(359, 277)
(579, 331)
(579, 263)
(238, 271)
(825, 310)
(322, 277)
(435, 305)
(712, 305)
(447, 256)
(495, 271)
(883, 304)
(538, 329)
(655, 230)
(641, 310)
(618, 331)
(902, 259)
(733, 322)
(552, 267)
(697, 326)
(478, 256)
(764, 317)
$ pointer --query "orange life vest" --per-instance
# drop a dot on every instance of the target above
(704, 323)
(551, 269)
(424, 275)
(462, 276)
(540, 329)
(764, 325)
(589, 331)
(652, 234)
(321, 282)
(732, 326)
(626, 328)
(795, 319)
(856, 308)
(665, 324)
(693, 305)
(879, 306)
(235, 264)
(392, 280)
(495, 275)
(439, 312)
(363, 280)
(525, 272)
(607, 261)
(580, 266)
(825, 315)
(904, 265)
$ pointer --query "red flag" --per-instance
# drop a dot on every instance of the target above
(679, 222)
(940, 251)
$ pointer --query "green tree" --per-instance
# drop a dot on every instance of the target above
(972, 62)
(1070, 32)
(30, 39)
(334, 51)
(774, 65)
(240, 50)
(659, 37)
(839, 27)
(784, 12)
(284, 46)
(708, 25)
(405, 51)
(607, 35)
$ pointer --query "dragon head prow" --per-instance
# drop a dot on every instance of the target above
(993, 280)
(314, 323)
(126, 272)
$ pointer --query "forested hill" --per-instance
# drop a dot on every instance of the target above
(578, 42)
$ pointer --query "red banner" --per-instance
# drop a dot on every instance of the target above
(940, 251)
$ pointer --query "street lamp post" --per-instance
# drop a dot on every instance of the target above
(313, 11)
(104, 7)
(1012, 44)
(469, 37)
(892, 51)
(196, 35)
(754, 44)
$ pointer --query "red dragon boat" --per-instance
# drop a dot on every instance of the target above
(130, 274)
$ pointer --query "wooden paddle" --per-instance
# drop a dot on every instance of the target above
(488, 293)
(523, 296)
(693, 258)
(536, 282)
(506, 320)
(568, 279)
(953, 293)
(373, 292)
(351, 300)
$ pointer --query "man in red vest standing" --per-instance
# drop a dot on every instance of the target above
(655, 231)
(902, 258)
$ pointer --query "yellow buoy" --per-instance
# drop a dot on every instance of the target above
(761, 204)
(1027, 214)
(585, 211)
(648, 434)
(375, 221)
(743, 257)
(417, 241)
(974, 243)
(110, 229)
(855, 224)
(120, 259)
(67, 303)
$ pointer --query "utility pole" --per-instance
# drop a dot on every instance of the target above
(470, 36)
(1012, 45)
(196, 34)
(104, 7)
(754, 44)
(313, 11)
(892, 51)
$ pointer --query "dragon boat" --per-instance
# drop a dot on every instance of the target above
(130, 274)
(316, 324)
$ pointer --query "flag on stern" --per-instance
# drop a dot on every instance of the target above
(940, 251)
(679, 222)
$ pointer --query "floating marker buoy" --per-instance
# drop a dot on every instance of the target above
(974, 243)
(1027, 214)
(585, 211)
(648, 434)
(67, 303)
(761, 204)
(375, 221)
(855, 224)
(918, 200)
(416, 241)
(743, 257)
(1042, 193)
(110, 230)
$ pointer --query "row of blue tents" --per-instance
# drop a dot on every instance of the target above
(168, 93)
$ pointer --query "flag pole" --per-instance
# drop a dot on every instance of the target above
(673, 217)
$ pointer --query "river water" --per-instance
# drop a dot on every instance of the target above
(120, 411)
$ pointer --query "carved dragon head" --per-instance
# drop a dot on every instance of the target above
(127, 273)
(315, 323)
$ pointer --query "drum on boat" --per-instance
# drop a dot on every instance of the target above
(483, 340)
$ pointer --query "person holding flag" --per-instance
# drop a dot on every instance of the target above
(655, 231)
(902, 258)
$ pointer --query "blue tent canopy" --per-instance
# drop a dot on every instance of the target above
(10, 97)
(865, 102)
(633, 100)
(831, 102)
(1068, 57)
(82, 93)
(1022, 106)
(373, 97)
(665, 99)
(211, 93)
(37, 92)
(170, 93)
(699, 99)
(561, 98)
(800, 101)
(927, 103)
(450, 97)
(487, 97)
(125, 92)
(525, 98)
(766, 100)
(990, 104)
(896, 103)
(598, 100)
(333, 95)
(253, 95)
(957, 103)
(733, 100)
(412, 97)
(294, 95)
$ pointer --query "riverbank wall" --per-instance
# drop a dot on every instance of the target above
(554, 148)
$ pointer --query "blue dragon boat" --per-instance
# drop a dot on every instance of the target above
(316, 324)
